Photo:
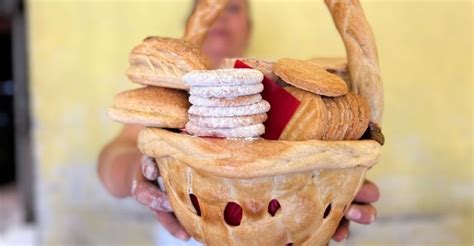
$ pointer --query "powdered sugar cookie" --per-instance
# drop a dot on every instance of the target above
(225, 102)
(256, 108)
(239, 132)
(226, 91)
(227, 122)
(223, 77)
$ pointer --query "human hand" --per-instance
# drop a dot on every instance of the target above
(360, 211)
(145, 191)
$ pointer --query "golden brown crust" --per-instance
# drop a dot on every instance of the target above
(346, 117)
(201, 20)
(163, 61)
(334, 118)
(310, 77)
(263, 66)
(310, 119)
(361, 53)
(364, 116)
(256, 158)
(354, 110)
(304, 198)
(151, 106)
(334, 65)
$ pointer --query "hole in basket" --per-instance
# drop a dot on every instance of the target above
(195, 202)
(289, 244)
(233, 214)
(273, 207)
(327, 211)
(331, 70)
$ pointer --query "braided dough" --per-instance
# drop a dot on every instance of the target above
(201, 20)
(361, 53)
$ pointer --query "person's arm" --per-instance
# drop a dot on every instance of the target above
(118, 160)
(124, 172)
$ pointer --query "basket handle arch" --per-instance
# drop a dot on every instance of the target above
(350, 21)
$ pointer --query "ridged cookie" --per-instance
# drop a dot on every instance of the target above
(310, 77)
(163, 61)
(310, 119)
(151, 106)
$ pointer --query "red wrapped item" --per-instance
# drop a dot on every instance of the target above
(283, 106)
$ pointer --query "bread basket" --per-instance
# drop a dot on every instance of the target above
(283, 192)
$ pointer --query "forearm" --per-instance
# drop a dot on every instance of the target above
(116, 166)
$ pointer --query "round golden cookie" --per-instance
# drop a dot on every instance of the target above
(263, 66)
(334, 118)
(310, 119)
(364, 116)
(346, 116)
(151, 106)
(310, 77)
(353, 107)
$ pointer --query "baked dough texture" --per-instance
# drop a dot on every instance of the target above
(151, 106)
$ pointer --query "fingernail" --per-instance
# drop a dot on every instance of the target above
(166, 205)
(182, 235)
(354, 214)
(372, 218)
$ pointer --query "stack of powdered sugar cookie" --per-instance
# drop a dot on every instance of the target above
(226, 103)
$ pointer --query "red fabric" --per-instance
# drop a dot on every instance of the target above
(283, 106)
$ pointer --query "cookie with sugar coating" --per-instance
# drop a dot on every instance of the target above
(238, 132)
(225, 102)
(226, 91)
(227, 122)
(223, 77)
(256, 108)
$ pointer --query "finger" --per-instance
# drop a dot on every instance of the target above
(171, 224)
(369, 193)
(342, 231)
(149, 168)
(361, 213)
(148, 194)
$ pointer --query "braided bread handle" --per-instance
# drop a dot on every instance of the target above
(205, 13)
(361, 52)
(356, 33)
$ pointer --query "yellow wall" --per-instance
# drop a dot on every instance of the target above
(78, 55)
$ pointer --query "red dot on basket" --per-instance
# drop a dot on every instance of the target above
(273, 207)
(195, 202)
(233, 214)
